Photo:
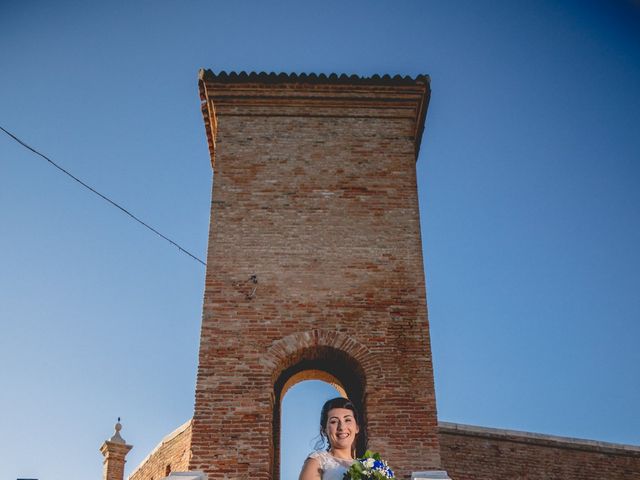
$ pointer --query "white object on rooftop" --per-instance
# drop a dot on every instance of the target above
(430, 475)
(186, 476)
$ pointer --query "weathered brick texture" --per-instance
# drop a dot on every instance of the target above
(114, 450)
(314, 194)
(476, 453)
(171, 455)
(114, 460)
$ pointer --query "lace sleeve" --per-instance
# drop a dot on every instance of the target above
(321, 457)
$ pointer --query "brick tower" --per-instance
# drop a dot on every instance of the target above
(314, 266)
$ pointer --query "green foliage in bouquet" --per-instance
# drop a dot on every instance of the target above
(369, 467)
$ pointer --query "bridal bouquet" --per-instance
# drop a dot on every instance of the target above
(369, 467)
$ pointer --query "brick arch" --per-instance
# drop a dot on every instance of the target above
(286, 351)
(313, 374)
(330, 356)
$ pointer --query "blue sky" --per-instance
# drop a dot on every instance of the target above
(530, 209)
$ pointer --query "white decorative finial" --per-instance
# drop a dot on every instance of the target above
(116, 438)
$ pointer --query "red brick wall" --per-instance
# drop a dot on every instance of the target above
(476, 453)
(114, 458)
(172, 454)
(315, 194)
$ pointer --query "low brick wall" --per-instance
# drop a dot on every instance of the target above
(478, 453)
(468, 453)
(171, 455)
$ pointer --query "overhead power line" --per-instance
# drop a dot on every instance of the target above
(104, 197)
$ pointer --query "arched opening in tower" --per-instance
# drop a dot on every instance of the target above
(313, 376)
(300, 420)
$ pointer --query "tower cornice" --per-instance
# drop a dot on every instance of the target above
(304, 95)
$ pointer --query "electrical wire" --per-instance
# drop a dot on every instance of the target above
(104, 197)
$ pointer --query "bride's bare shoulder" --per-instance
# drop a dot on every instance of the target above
(311, 469)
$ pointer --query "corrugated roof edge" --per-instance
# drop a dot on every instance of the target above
(264, 77)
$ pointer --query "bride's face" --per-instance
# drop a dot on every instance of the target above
(341, 428)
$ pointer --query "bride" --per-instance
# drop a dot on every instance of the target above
(339, 427)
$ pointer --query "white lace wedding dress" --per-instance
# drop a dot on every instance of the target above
(332, 468)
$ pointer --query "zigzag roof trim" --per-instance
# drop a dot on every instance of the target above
(264, 77)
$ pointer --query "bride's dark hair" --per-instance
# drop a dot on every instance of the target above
(338, 402)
